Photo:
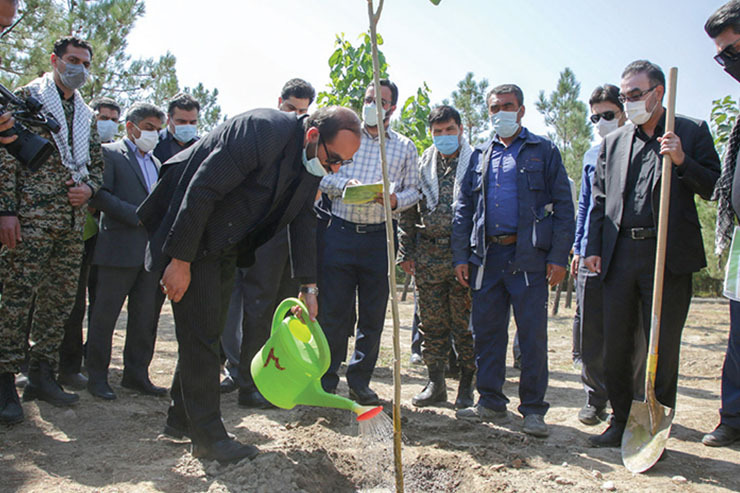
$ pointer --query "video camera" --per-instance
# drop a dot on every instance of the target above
(30, 149)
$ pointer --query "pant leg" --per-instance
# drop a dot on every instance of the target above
(113, 288)
(23, 268)
(416, 337)
(56, 290)
(528, 295)
(266, 283)
(339, 282)
(459, 306)
(199, 320)
(576, 351)
(589, 292)
(730, 411)
(490, 322)
(372, 294)
(231, 338)
(144, 305)
(434, 312)
(71, 350)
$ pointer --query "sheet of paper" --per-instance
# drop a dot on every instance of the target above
(732, 272)
(361, 194)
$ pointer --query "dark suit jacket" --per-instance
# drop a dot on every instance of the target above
(697, 175)
(121, 240)
(238, 185)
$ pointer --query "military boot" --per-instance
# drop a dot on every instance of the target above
(435, 390)
(11, 411)
(465, 390)
(43, 386)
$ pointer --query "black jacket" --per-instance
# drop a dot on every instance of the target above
(238, 185)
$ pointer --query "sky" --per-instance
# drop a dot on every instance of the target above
(249, 48)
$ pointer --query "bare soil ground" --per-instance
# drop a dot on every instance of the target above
(114, 446)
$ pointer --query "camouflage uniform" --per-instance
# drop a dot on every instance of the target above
(46, 263)
(444, 304)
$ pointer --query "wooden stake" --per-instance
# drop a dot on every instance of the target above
(374, 16)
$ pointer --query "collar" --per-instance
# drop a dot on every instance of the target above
(523, 135)
(388, 133)
(658, 132)
(61, 93)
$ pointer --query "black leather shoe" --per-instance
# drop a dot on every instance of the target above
(364, 397)
(254, 400)
(228, 385)
(101, 389)
(611, 438)
(178, 431)
(43, 386)
(227, 451)
(722, 436)
(75, 381)
(591, 415)
(145, 386)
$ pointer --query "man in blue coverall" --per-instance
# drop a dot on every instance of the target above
(511, 235)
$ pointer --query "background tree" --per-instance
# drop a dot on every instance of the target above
(105, 24)
(567, 116)
(470, 100)
(413, 119)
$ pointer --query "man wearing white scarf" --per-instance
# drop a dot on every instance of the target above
(42, 215)
(425, 229)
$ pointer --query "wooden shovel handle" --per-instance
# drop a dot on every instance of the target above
(660, 253)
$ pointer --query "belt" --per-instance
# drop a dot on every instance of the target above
(357, 227)
(639, 233)
(436, 241)
(502, 239)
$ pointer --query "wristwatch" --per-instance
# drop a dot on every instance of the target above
(310, 290)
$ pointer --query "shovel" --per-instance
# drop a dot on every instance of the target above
(649, 422)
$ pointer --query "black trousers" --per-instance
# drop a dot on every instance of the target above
(628, 288)
(199, 320)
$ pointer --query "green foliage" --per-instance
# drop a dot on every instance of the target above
(210, 112)
(722, 119)
(568, 117)
(105, 24)
(351, 73)
(470, 101)
(413, 119)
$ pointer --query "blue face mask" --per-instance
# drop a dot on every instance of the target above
(447, 144)
(504, 123)
(313, 165)
(186, 133)
(107, 130)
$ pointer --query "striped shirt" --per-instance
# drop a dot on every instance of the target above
(403, 174)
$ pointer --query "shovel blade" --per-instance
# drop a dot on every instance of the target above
(644, 436)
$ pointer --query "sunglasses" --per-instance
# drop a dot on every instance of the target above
(333, 159)
(637, 96)
(728, 55)
(607, 115)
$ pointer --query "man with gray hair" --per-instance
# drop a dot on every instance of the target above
(130, 173)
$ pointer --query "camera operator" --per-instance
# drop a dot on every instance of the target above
(41, 223)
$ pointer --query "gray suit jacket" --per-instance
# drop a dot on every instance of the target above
(122, 239)
(697, 175)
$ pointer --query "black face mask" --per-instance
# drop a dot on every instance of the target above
(733, 68)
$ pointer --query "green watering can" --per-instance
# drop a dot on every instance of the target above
(288, 369)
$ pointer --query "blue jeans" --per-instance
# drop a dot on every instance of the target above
(501, 290)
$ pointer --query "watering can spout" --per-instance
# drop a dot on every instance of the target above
(314, 395)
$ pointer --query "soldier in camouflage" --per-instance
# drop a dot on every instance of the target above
(444, 304)
(42, 215)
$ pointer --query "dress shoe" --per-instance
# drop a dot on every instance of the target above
(480, 412)
(42, 386)
(228, 385)
(144, 386)
(74, 381)
(364, 396)
(101, 389)
(254, 400)
(416, 359)
(180, 431)
(611, 438)
(11, 411)
(534, 424)
(722, 436)
(226, 451)
(591, 415)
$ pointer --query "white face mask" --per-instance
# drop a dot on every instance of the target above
(147, 141)
(370, 115)
(313, 165)
(504, 123)
(606, 127)
(107, 130)
(637, 111)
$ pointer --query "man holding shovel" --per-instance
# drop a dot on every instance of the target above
(623, 230)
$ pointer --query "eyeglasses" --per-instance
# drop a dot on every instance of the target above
(607, 115)
(636, 96)
(729, 54)
(371, 100)
(331, 159)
